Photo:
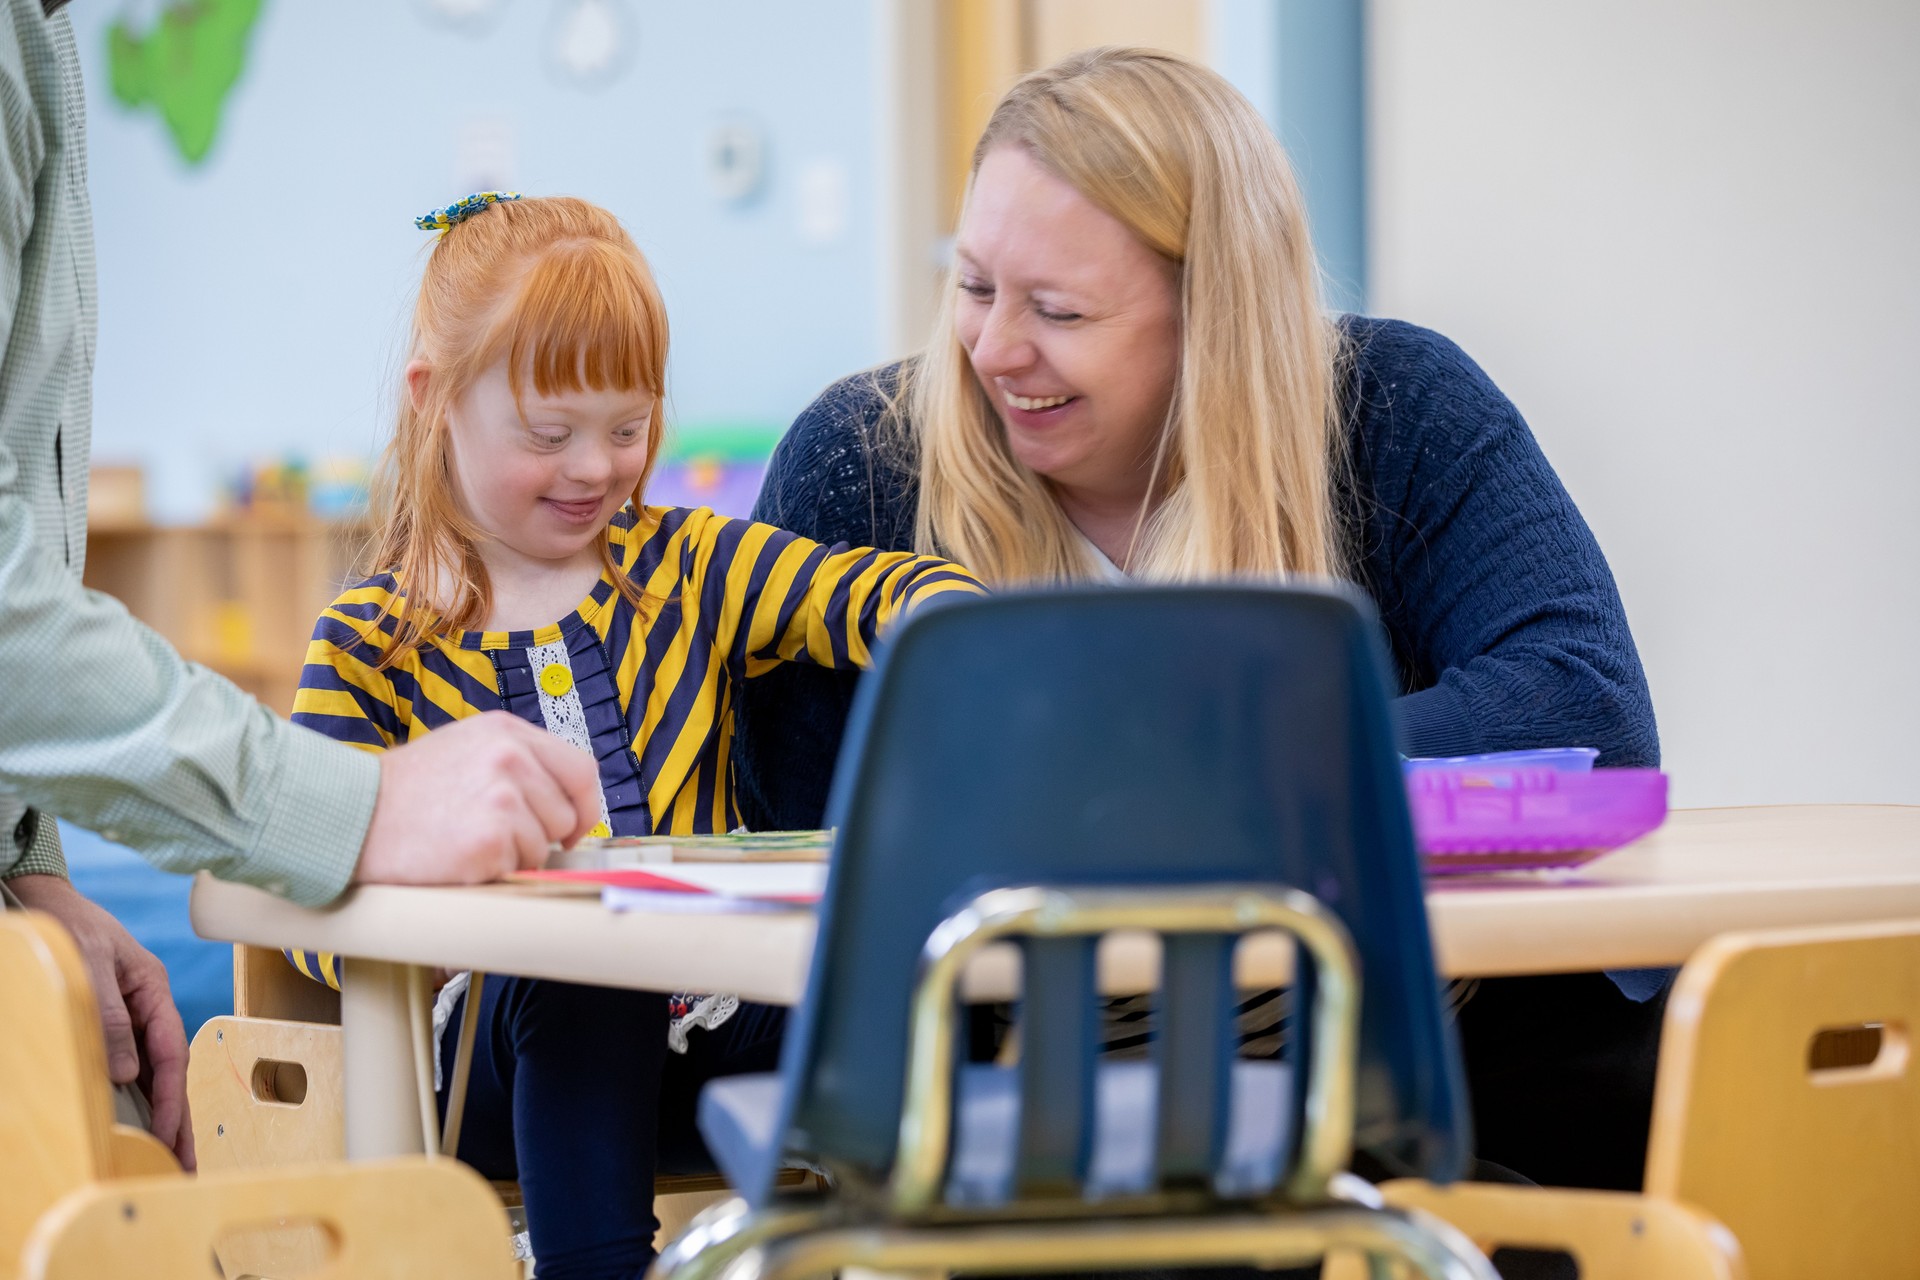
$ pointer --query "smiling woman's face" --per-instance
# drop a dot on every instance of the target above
(1072, 325)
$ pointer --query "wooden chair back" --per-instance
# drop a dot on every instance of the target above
(400, 1220)
(56, 1117)
(266, 1092)
(1788, 1102)
(57, 1131)
(1609, 1235)
(265, 985)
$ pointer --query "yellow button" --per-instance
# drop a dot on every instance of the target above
(556, 680)
(600, 831)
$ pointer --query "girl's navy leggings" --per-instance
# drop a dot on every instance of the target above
(574, 1092)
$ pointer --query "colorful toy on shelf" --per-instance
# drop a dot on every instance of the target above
(335, 488)
(269, 487)
(339, 488)
(713, 464)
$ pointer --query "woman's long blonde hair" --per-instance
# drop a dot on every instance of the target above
(1243, 479)
(558, 289)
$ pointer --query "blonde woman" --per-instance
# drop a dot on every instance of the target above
(1135, 378)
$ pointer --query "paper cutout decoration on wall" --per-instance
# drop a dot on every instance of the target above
(590, 42)
(183, 67)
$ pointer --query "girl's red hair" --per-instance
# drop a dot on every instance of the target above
(557, 289)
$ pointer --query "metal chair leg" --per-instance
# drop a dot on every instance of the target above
(1431, 1248)
(719, 1235)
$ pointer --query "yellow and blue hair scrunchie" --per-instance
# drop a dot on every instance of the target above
(460, 210)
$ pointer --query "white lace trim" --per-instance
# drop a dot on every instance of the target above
(708, 1012)
(443, 1014)
(566, 719)
(565, 714)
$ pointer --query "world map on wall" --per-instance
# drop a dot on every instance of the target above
(183, 67)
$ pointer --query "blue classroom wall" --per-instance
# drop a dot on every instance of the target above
(252, 305)
(1320, 112)
(153, 906)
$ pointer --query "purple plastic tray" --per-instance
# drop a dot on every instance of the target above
(1473, 818)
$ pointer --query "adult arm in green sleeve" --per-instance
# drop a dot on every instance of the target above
(101, 722)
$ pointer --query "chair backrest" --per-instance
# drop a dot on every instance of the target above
(266, 985)
(266, 1093)
(56, 1118)
(1120, 737)
(1608, 1235)
(1814, 1166)
(401, 1220)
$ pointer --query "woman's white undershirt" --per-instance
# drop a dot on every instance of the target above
(1104, 570)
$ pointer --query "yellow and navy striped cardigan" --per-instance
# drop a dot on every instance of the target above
(650, 693)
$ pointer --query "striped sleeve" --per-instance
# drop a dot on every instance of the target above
(321, 966)
(341, 694)
(785, 598)
(343, 697)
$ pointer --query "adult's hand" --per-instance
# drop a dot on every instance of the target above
(146, 1044)
(476, 800)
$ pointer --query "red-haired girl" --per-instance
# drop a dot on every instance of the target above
(519, 570)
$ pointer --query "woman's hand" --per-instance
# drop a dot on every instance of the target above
(146, 1043)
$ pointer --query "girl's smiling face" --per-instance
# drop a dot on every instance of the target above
(1072, 325)
(542, 477)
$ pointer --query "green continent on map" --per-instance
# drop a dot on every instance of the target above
(184, 67)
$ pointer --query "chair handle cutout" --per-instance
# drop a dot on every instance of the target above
(280, 1083)
(296, 1248)
(1858, 1053)
(1535, 1260)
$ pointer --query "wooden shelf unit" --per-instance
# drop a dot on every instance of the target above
(238, 594)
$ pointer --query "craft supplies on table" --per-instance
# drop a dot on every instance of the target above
(1527, 810)
(1508, 811)
(693, 887)
(736, 846)
(1559, 759)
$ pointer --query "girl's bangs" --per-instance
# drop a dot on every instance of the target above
(585, 317)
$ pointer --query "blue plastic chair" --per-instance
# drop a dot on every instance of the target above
(1044, 767)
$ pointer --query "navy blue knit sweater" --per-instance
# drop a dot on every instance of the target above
(1501, 615)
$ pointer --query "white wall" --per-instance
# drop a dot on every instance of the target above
(1684, 236)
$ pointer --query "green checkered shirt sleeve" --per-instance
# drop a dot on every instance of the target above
(100, 721)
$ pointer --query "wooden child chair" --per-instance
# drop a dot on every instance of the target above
(1787, 1106)
(409, 1219)
(266, 1087)
(57, 1132)
(1788, 1101)
(1608, 1235)
(86, 1197)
